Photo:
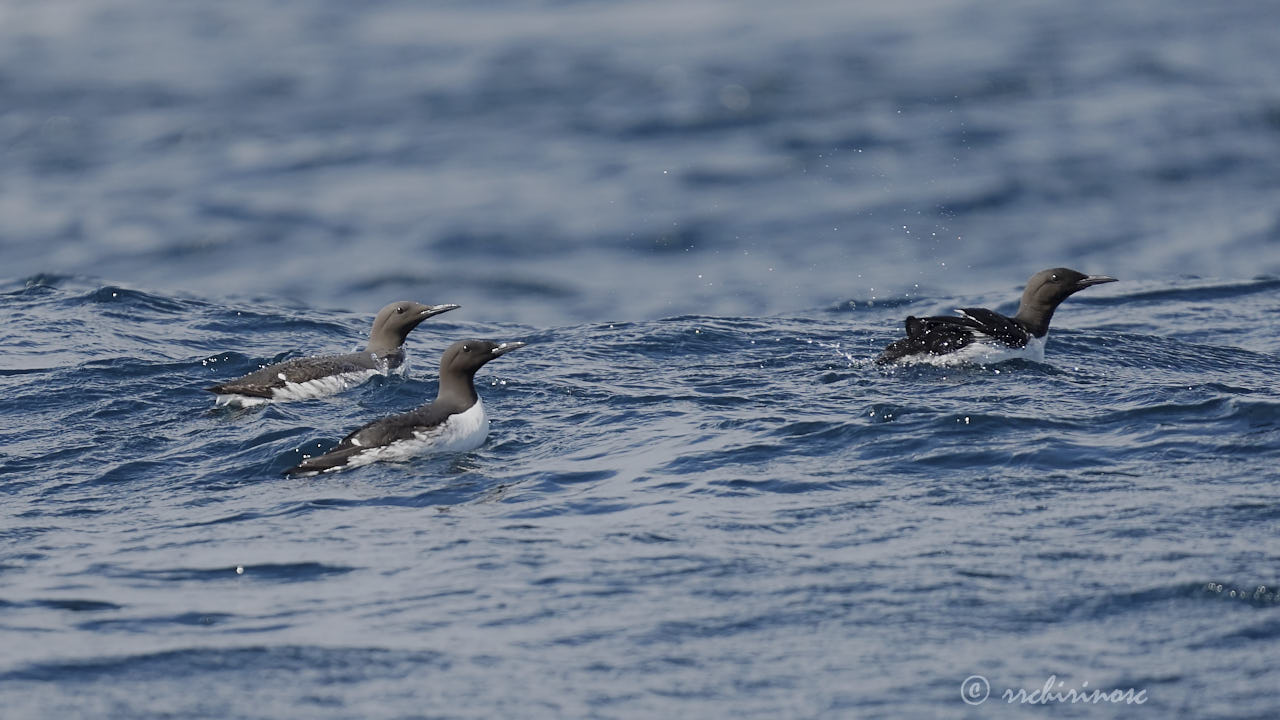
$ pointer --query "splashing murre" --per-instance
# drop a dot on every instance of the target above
(982, 336)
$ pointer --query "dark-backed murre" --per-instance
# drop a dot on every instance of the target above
(981, 335)
(454, 422)
(311, 377)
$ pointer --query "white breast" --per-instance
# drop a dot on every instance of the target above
(462, 432)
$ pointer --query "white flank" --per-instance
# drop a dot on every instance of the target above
(462, 432)
(981, 353)
(230, 400)
(321, 387)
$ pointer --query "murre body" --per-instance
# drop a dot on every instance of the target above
(979, 335)
(454, 422)
(312, 377)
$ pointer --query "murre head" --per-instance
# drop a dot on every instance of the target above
(1046, 290)
(395, 321)
(459, 364)
(467, 356)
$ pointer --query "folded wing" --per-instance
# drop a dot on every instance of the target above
(942, 334)
(996, 326)
(263, 383)
(371, 438)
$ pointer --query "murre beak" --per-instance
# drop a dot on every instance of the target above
(1091, 280)
(434, 310)
(507, 347)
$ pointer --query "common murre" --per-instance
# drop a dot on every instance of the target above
(312, 377)
(454, 422)
(981, 335)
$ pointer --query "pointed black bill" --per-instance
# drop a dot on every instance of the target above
(507, 347)
(1091, 280)
(434, 310)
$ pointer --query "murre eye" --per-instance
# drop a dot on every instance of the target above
(400, 310)
(466, 348)
(1054, 278)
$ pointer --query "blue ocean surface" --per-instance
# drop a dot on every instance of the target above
(700, 497)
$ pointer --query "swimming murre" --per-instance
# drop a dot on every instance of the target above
(979, 335)
(312, 377)
(454, 422)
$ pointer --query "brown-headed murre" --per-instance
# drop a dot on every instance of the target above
(454, 422)
(312, 377)
(983, 336)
